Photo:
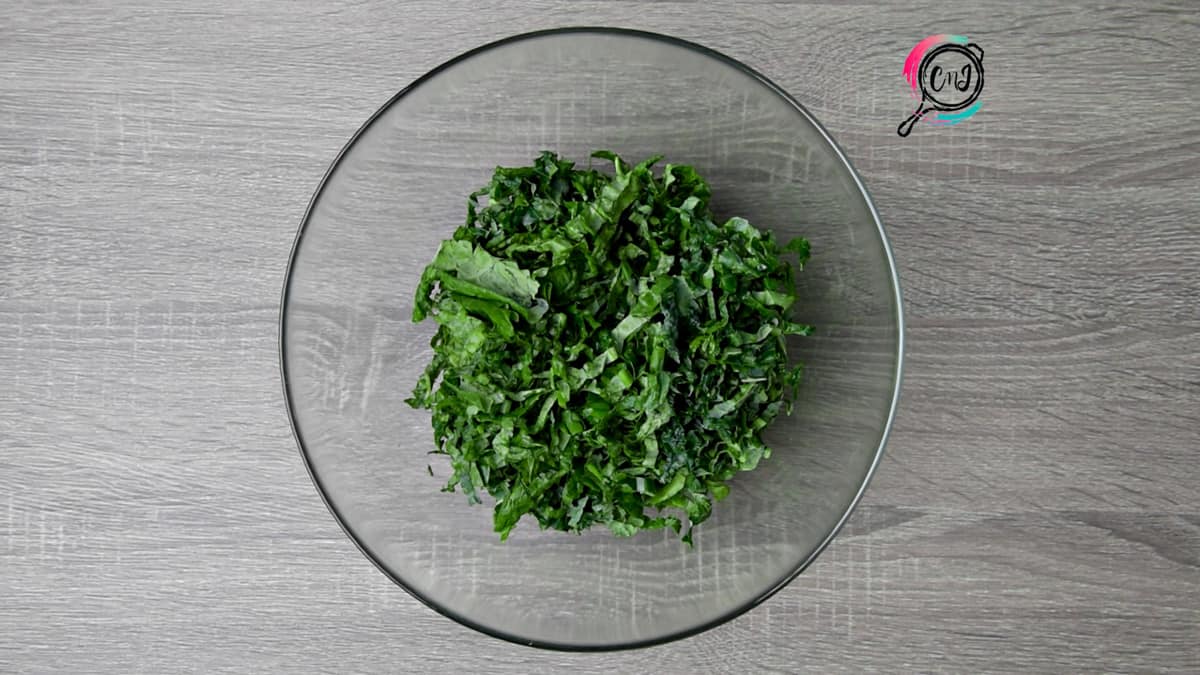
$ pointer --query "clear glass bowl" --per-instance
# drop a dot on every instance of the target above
(351, 354)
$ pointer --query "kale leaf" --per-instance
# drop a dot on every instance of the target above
(606, 352)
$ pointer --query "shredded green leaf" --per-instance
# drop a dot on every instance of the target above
(606, 353)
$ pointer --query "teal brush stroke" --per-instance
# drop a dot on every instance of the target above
(955, 118)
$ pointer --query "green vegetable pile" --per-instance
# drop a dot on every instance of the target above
(604, 348)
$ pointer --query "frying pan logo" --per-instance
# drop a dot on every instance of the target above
(945, 73)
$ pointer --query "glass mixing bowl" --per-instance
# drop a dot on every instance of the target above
(351, 354)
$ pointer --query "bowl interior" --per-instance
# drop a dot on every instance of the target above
(351, 353)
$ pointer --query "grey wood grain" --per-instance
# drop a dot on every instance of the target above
(1037, 509)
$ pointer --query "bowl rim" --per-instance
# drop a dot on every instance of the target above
(744, 606)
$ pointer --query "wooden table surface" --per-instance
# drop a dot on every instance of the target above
(1037, 508)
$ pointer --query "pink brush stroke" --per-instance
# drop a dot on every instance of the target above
(913, 62)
